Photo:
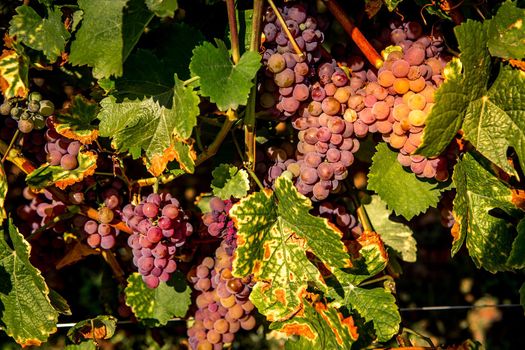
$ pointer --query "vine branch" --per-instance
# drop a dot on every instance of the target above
(234, 35)
(348, 25)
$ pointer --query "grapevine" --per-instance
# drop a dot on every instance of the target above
(267, 174)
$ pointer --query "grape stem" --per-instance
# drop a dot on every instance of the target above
(112, 261)
(190, 80)
(375, 280)
(284, 26)
(13, 140)
(348, 25)
(360, 209)
(234, 35)
(249, 118)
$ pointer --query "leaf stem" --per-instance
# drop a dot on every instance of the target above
(190, 80)
(348, 25)
(13, 140)
(255, 178)
(284, 26)
(234, 35)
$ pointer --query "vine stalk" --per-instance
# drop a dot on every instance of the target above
(348, 25)
(234, 34)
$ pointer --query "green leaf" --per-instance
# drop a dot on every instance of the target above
(48, 175)
(185, 109)
(226, 84)
(320, 327)
(99, 42)
(395, 235)
(185, 155)
(516, 258)
(375, 305)
(59, 303)
(496, 121)
(3, 193)
(275, 230)
(155, 307)
(482, 208)
(392, 4)
(401, 190)
(77, 123)
(27, 315)
(100, 327)
(145, 76)
(136, 18)
(136, 125)
(176, 49)
(14, 70)
(453, 97)
(43, 34)
(86, 345)
(229, 181)
(163, 8)
(507, 32)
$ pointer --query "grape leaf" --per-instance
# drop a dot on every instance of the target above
(100, 327)
(375, 305)
(48, 175)
(507, 32)
(401, 190)
(59, 303)
(3, 193)
(136, 125)
(13, 74)
(99, 42)
(226, 84)
(274, 232)
(76, 123)
(320, 327)
(27, 314)
(136, 17)
(516, 258)
(229, 181)
(392, 4)
(496, 121)
(43, 34)
(145, 76)
(176, 49)
(453, 97)
(163, 8)
(157, 306)
(482, 208)
(85, 345)
(395, 235)
(185, 109)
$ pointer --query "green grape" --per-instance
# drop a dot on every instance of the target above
(46, 108)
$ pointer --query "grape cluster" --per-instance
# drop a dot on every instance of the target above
(338, 215)
(287, 77)
(315, 99)
(61, 150)
(223, 303)
(30, 115)
(32, 144)
(398, 98)
(159, 227)
(275, 160)
(218, 222)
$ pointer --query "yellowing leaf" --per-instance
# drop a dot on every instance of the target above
(13, 74)
(275, 231)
